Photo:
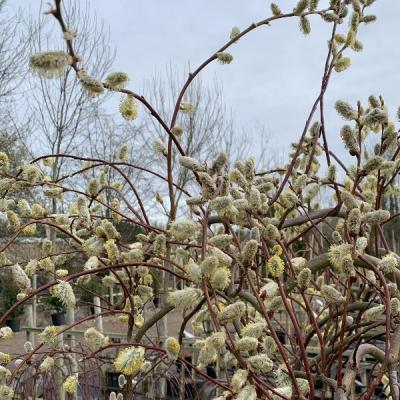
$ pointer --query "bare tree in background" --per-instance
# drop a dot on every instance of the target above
(59, 107)
(105, 137)
(13, 52)
(13, 55)
(207, 130)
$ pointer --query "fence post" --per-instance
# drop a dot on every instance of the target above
(97, 310)
(58, 373)
(111, 295)
(34, 301)
(70, 319)
(30, 334)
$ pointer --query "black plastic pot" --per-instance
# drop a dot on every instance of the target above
(14, 324)
(58, 319)
(281, 337)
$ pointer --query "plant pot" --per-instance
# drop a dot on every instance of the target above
(281, 337)
(14, 324)
(58, 319)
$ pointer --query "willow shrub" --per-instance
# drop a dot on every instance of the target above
(254, 254)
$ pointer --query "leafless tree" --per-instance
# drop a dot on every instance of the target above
(106, 135)
(210, 127)
(59, 107)
(13, 50)
(13, 55)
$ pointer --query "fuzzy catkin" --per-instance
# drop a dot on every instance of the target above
(220, 279)
(160, 244)
(260, 363)
(361, 244)
(184, 229)
(270, 289)
(191, 163)
(345, 110)
(112, 250)
(376, 116)
(247, 393)
(254, 329)
(350, 140)
(95, 339)
(219, 163)
(372, 164)
(232, 312)
(63, 292)
(298, 263)
(217, 339)
(249, 251)
(129, 360)
(49, 334)
(394, 306)
(239, 379)
(50, 64)
(269, 345)
(271, 232)
(186, 108)
(237, 177)
(304, 278)
(275, 266)
(128, 108)
(172, 348)
(224, 260)
(275, 9)
(207, 184)
(6, 393)
(184, 298)
(123, 152)
(117, 80)
(46, 364)
(91, 85)
(247, 343)
(349, 200)
(209, 265)
(122, 381)
(20, 277)
(235, 32)
(342, 64)
(304, 24)
(354, 221)
(5, 358)
(337, 254)
(194, 271)
(254, 199)
(23, 208)
(5, 333)
(331, 294)
(388, 264)
(224, 57)
(300, 7)
(374, 313)
(159, 147)
(4, 162)
(221, 241)
(376, 217)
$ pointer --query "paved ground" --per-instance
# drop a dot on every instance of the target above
(14, 346)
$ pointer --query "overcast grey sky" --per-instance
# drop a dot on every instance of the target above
(276, 71)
